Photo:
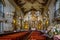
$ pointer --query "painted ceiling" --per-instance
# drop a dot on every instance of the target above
(28, 5)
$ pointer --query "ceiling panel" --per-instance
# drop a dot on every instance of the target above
(29, 4)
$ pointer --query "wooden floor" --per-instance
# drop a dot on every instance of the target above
(31, 35)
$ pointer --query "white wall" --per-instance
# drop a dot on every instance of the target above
(51, 11)
(8, 9)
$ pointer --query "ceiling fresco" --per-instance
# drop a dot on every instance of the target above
(27, 5)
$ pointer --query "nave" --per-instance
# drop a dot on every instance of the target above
(29, 19)
(24, 35)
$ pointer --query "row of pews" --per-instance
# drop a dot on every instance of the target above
(35, 35)
(15, 36)
(24, 35)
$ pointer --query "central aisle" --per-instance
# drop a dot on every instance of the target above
(36, 35)
(26, 35)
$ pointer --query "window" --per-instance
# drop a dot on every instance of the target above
(57, 4)
(1, 27)
(57, 9)
(1, 15)
(1, 9)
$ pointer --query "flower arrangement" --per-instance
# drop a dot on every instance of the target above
(53, 30)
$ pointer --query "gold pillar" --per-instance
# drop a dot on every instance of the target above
(26, 25)
(14, 22)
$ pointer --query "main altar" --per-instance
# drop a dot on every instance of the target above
(33, 16)
(34, 20)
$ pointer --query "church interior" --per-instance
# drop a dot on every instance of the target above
(29, 19)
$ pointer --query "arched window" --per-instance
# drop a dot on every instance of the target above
(57, 4)
(1, 16)
(1, 8)
(57, 9)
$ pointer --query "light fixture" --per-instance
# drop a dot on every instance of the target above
(14, 21)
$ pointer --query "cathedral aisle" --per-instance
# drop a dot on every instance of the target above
(36, 35)
(29, 19)
(25, 35)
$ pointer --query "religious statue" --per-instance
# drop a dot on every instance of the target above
(26, 25)
(39, 25)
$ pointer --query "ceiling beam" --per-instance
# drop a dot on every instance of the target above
(13, 3)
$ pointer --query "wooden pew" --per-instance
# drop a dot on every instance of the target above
(16, 36)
